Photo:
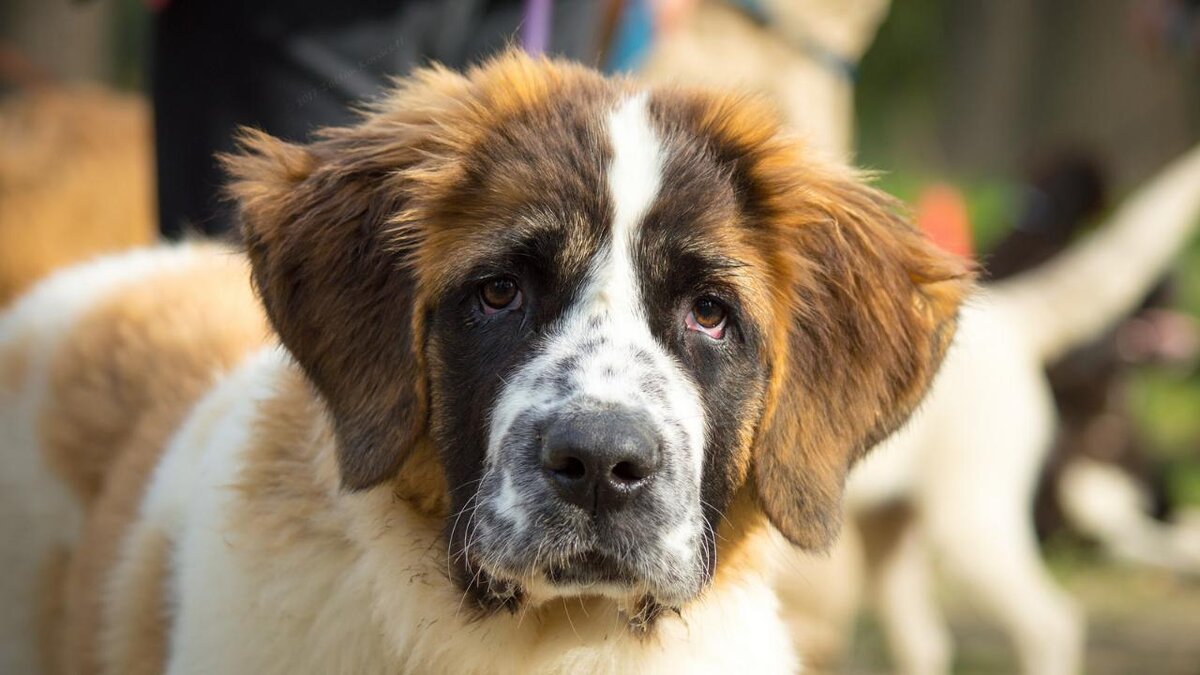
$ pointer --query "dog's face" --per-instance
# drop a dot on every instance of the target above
(594, 352)
(613, 312)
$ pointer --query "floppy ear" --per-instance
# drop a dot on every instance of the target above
(868, 308)
(337, 291)
(331, 229)
(334, 229)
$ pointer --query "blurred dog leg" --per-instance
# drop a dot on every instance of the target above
(975, 485)
(902, 590)
(1110, 506)
(1001, 568)
(820, 596)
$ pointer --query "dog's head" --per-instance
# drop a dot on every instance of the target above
(613, 313)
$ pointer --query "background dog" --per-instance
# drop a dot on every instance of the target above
(970, 463)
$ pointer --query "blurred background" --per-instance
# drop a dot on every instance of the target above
(1010, 128)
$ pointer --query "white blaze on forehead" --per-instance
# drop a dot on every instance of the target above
(602, 350)
(634, 175)
(610, 308)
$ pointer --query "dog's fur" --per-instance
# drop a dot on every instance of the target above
(784, 53)
(360, 499)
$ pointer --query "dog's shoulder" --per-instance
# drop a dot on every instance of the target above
(247, 495)
(102, 361)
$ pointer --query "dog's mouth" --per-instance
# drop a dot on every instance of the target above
(519, 549)
(588, 568)
(593, 569)
(593, 572)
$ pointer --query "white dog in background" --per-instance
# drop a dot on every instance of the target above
(969, 462)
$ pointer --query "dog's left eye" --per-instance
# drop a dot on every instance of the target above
(499, 294)
(708, 316)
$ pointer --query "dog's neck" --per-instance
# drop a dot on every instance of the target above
(403, 553)
(393, 556)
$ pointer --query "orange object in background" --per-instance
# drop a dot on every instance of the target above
(942, 215)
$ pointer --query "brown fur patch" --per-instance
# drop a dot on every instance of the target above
(14, 360)
(120, 385)
(741, 538)
(882, 530)
(862, 310)
(51, 609)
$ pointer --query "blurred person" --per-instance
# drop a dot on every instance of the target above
(1169, 25)
(288, 67)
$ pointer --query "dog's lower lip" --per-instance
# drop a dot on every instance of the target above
(589, 567)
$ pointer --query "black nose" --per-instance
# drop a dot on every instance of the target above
(600, 458)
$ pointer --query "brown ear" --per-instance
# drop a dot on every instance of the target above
(326, 267)
(870, 310)
(334, 229)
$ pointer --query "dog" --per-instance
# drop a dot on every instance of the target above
(967, 465)
(1099, 480)
(802, 53)
(553, 351)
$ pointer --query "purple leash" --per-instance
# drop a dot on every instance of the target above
(535, 29)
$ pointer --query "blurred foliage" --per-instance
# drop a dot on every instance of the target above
(1167, 401)
(992, 205)
(899, 83)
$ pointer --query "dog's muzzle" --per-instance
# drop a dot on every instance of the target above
(600, 457)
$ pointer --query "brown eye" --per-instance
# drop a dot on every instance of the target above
(708, 313)
(499, 293)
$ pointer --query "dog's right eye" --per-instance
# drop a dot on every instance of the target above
(708, 316)
(499, 294)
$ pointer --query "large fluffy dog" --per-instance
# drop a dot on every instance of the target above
(554, 351)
